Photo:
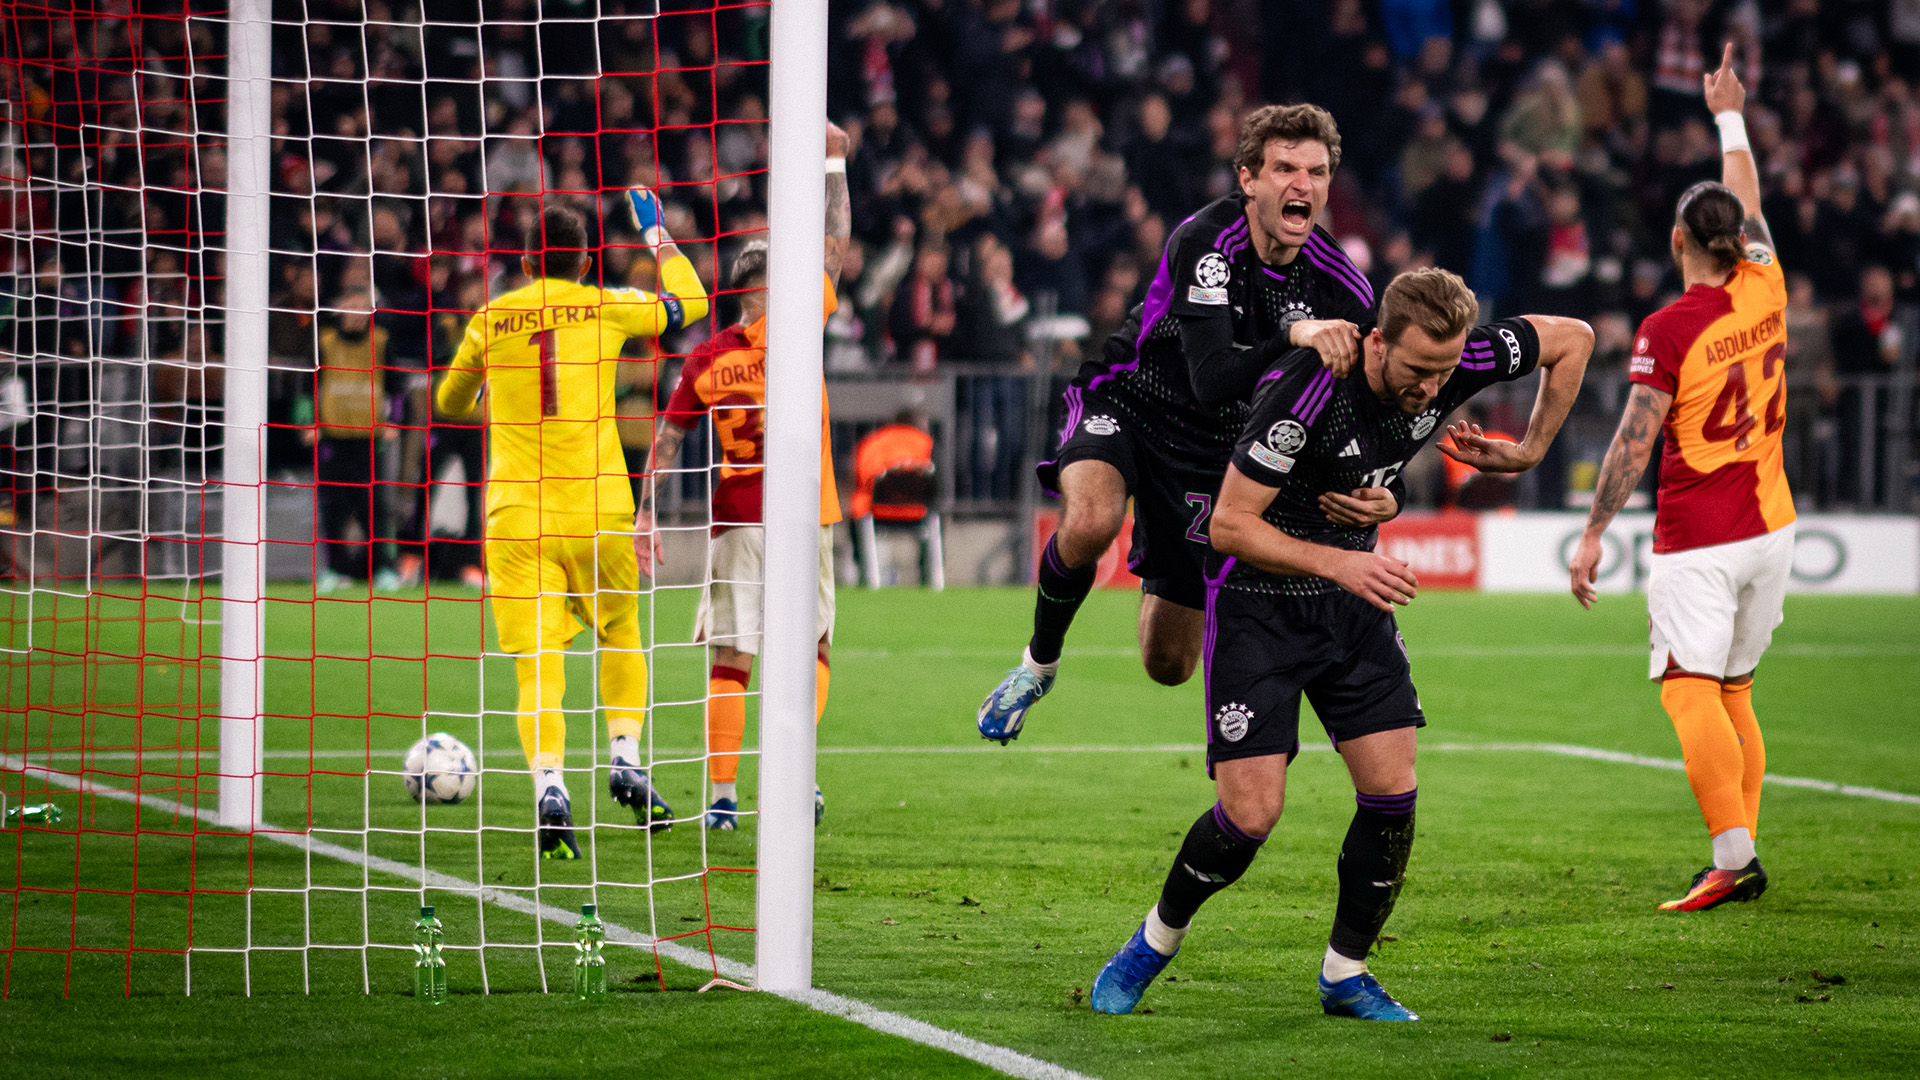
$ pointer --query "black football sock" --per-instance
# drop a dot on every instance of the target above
(1373, 863)
(1214, 855)
(1056, 602)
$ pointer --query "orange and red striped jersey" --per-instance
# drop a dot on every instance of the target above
(1721, 352)
(728, 375)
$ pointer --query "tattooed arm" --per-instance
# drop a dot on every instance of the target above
(839, 205)
(1626, 463)
(647, 548)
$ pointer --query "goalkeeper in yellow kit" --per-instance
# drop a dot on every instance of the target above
(559, 532)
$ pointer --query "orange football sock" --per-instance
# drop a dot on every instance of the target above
(1712, 750)
(726, 722)
(822, 678)
(1753, 749)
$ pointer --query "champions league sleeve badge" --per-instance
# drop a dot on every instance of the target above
(1287, 436)
(1210, 274)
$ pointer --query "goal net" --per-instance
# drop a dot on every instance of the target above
(241, 546)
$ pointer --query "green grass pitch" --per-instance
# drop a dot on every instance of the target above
(970, 886)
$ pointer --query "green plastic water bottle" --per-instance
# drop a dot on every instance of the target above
(589, 959)
(429, 967)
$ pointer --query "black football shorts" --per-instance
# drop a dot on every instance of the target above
(1262, 651)
(1172, 495)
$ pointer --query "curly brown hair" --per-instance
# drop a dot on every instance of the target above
(1288, 123)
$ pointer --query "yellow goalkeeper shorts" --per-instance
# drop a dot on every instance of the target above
(547, 574)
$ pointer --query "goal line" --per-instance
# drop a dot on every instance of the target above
(999, 1058)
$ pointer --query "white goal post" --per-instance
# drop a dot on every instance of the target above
(243, 496)
(783, 943)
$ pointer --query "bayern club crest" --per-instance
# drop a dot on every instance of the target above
(1287, 436)
(1101, 425)
(1232, 720)
(1423, 424)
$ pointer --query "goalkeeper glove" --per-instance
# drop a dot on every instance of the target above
(643, 207)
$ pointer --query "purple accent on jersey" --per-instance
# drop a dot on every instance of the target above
(1074, 408)
(1159, 299)
(1314, 398)
(1322, 380)
(1271, 274)
(1226, 235)
(1313, 413)
(1387, 804)
(1212, 626)
(1238, 245)
(1478, 356)
(1335, 262)
(1365, 294)
(1225, 824)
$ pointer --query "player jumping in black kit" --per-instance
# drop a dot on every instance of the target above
(1296, 604)
(1155, 418)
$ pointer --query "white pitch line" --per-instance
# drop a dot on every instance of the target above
(1489, 652)
(999, 1058)
(1591, 753)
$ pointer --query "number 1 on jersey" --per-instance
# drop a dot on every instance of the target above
(549, 374)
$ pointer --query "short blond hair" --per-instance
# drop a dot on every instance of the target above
(1435, 300)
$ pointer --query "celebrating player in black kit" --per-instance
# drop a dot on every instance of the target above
(1244, 280)
(1298, 604)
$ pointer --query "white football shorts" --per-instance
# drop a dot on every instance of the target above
(732, 605)
(1712, 610)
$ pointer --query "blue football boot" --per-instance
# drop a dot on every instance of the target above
(1361, 998)
(556, 826)
(723, 815)
(1118, 987)
(819, 806)
(633, 789)
(1005, 710)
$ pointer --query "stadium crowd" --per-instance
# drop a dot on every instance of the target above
(1013, 160)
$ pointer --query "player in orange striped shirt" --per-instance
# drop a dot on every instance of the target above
(1709, 370)
(727, 377)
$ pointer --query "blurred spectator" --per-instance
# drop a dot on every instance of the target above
(351, 419)
(1866, 342)
(924, 316)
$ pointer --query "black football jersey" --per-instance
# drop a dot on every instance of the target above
(1210, 270)
(1310, 433)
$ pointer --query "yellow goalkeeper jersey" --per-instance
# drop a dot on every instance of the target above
(548, 353)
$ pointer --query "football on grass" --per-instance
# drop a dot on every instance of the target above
(440, 769)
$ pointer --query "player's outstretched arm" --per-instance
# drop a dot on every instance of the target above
(1239, 530)
(1565, 345)
(683, 297)
(839, 203)
(1727, 100)
(1620, 473)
